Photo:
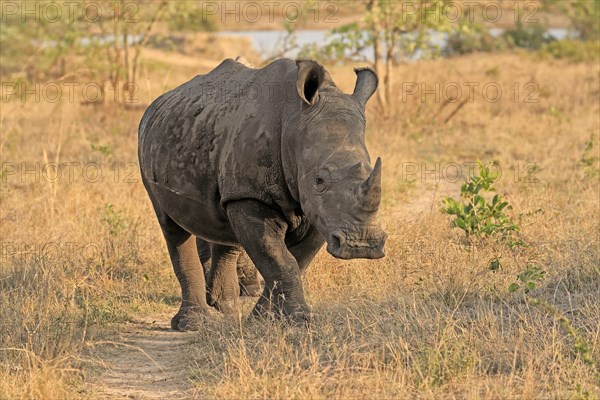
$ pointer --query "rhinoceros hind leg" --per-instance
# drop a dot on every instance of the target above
(250, 280)
(223, 287)
(186, 264)
(204, 254)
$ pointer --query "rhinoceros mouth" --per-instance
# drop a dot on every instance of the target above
(344, 246)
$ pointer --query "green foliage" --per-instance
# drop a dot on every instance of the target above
(438, 364)
(114, 220)
(104, 149)
(472, 37)
(532, 36)
(294, 19)
(583, 14)
(556, 113)
(185, 16)
(478, 215)
(589, 158)
(40, 46)
(97, 309)
(419, 29)
(580, 345)
(347, 41)
(572, 50)
(528, 279)
(494, 264)
(70, 44)
(395, 27)
(342, 43)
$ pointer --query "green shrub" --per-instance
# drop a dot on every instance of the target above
(583, 14)
(477, 214)
(589, 159)
(528, 279)
(190, 17)
(532, 37)
(572, 50)
(114, 220)
(471, 38)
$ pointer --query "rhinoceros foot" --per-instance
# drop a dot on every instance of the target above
(190, 319)
(251, 290)
(299, 315)
(224, 305)
(270, 309)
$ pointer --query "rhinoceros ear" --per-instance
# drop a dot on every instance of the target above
(309, 80)
(366, 84)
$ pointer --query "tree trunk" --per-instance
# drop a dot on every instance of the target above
(373, 7)
(389, 69)
(141, 43)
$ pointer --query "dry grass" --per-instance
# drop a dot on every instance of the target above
(430, 320)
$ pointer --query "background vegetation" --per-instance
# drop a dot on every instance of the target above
(502, 304)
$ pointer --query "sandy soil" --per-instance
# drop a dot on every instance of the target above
(144, 362)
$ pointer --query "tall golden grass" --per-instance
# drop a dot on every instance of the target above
(430, 320)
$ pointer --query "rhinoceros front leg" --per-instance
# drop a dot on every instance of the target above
(261, 231)
(223, 288)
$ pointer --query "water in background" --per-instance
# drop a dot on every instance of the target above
(269, 43)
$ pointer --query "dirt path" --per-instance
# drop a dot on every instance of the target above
(144, 362)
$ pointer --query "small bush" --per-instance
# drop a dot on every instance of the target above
(572, 50)
(589, 159)
(191, 18)
(528, 279)
(472, 38)
(532, 38)
(477, 215)
(583, 14)
(114, 220)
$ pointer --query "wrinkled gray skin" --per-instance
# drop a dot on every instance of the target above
(271, 161)
(249, 280)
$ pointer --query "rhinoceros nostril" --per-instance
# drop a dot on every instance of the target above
(337, 240)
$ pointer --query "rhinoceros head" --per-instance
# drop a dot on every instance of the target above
(339, 190)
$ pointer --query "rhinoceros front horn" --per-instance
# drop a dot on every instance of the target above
(369, 192)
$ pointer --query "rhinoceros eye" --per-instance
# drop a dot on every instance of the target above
(322, 179)
(320, 183)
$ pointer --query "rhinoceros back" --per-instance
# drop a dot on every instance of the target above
(217, 138)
